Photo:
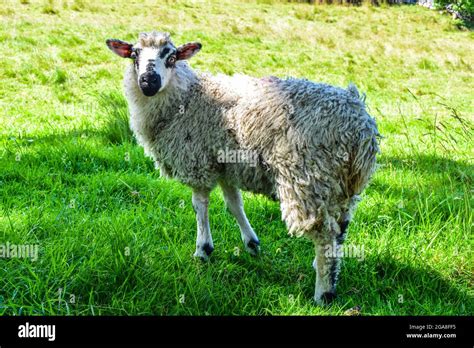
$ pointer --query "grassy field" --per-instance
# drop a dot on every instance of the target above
(114, 238)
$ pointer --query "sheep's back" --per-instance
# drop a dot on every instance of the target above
(310, 130)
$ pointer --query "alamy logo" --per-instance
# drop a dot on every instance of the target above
(237, 156)
(21, 251)
(37, 331)
(346, 250)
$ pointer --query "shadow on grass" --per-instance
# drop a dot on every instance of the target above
(380, 285)
(380, 279)
(115, 129)
(402, 287)
(430, 164)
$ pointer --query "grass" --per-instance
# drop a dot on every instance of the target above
(114, 238)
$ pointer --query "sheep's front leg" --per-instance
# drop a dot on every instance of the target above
(204, 245)
(234, 202)
(327, 262)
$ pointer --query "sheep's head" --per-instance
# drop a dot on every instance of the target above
(155, 58)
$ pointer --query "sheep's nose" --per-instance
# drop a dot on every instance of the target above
(150, 83)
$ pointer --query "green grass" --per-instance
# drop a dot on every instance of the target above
(120, 240)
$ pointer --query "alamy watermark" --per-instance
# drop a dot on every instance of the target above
(20, 251)
(345, 250)
(237, 156)
(37, 331)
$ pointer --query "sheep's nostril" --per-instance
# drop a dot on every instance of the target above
(150, 78)
(153, 77)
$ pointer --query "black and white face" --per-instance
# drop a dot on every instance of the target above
(154, 67)
(154, 61)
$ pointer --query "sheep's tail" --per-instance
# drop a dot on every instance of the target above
(365, 151)
(363, 164)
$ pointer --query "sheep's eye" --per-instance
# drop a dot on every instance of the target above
(172, 60)
(135, 53)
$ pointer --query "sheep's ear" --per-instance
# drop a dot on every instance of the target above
(188, 50)
(123, 49)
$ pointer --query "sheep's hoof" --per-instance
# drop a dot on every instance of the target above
(204, 252)
(325, 299)
(253, 247)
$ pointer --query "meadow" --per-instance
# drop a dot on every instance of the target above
(116, 239)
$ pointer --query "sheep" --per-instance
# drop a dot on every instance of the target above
(310, 146)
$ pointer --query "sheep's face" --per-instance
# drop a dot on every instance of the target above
(154, 58)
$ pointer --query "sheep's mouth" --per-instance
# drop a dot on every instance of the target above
(149, 91)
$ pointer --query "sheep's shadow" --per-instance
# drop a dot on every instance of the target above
(379, 283)
(403, 287)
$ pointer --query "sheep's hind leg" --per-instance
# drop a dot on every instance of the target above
(204, 244)
(327, 262)
(233, 199)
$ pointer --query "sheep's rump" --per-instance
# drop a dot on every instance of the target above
(318, 141)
